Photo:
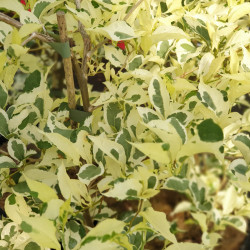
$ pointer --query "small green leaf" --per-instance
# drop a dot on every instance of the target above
(122, 35)
(113, 114)
(152, 181)
(38, 8)
(163, 48)
(88, 172)
(16, 149)
(32, 81)
(78, 115)
(135, 63)
(209, 131)
(4, 131)
(177, 184)
(62, 48)
(26, 227)
(180, 129)
(3, 96)
(122, 138)
(32, 246)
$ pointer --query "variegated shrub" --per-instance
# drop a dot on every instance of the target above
(164, 121)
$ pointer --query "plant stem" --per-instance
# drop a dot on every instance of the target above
(83, 80)
(82, 83)
(66, 61)
(138, 211)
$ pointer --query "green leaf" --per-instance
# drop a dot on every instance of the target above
(239, 168)
(16, 149)
(89, 172)
(147, 114)
(26, 227)
(32, 246)
(209, 131)
(78, 116)
(159, 96)
(135, 63)
(203, 32)
(32, 81)
(122, 35)
(242, 142)
(180, 129)
(39, 6)
(152, 182)
(124, 138)
(3, 95)
(177, 184)
(62, 48)
(113, 115)
(4, 131)
(126, 189)
(163, 48)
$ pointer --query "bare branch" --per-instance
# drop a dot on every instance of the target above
(45, 38)
(6, 19)
(66, 61)
(82, 83)
(83, 80)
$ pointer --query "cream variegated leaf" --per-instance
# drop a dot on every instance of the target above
(41, 230)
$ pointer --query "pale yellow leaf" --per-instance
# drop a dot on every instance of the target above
(15, 6)
(154, 151)
(165, 32)
(65, 145)
(18, 208)
(238, 11)
(28, 28)
(45, 193)
(159, 222)
(41, 230)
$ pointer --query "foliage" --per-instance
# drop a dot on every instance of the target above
(173, 72)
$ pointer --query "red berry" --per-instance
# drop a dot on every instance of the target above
(121, 45)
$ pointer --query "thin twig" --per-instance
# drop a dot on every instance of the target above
(138, 211)
(82, 83)
(6, 19)
(33, 35)
(66, 61)
(132, 10)
(4, 152)
(99, 45)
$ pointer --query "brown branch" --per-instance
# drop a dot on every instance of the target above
(45, 38)
(87, 46)
(6, 19)
(66, 61)
(82, 83)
